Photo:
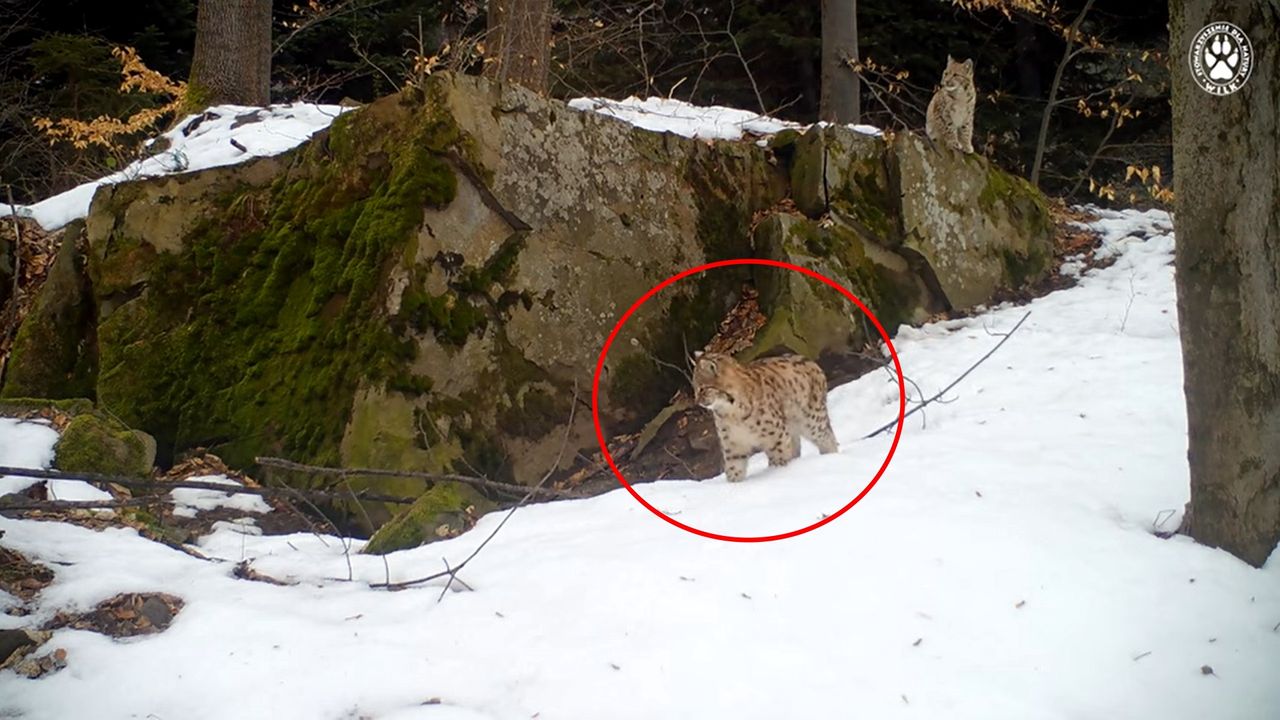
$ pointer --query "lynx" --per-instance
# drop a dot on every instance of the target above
(768, 405)
(949, 120)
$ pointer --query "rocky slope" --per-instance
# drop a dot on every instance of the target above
(429, 283)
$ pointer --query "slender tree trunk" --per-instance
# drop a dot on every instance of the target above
(519, 42)
(1042, 138)
(840, 102)
(232, 61)
(1226, 157)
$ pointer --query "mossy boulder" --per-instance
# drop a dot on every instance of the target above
(54, 352)
(427, 284)
(977, 227)
(96, 444)
(809, 317)
(965, 226)
(443, 511)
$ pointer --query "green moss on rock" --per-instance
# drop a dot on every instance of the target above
(1024, 203)
(439, 513)
(1027, 208)
(21, 405)
(95, 444)
(811, 318)
(1022, 268)
(254, 337)
(498, 269)
(451, 317)
(864, 197)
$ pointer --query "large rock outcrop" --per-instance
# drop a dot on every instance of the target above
(429, 283)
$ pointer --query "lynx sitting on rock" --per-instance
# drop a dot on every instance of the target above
(768, 405)
(949, 120)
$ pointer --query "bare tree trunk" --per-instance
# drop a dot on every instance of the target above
(840, 102)
(519, 42)
(1226, 157)
(232, 61)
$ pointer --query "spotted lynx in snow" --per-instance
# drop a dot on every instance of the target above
(768, 404)
(949, 120)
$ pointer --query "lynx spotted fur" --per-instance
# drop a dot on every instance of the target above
(949, 120)
(768, 404)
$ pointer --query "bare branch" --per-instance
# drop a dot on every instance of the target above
(360, 53)
(197, 484)
(62, 505)
(943, 391)
(509, 488)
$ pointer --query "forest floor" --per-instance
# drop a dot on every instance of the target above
(1014, 561)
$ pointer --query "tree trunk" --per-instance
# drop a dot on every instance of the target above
(1226, 157)
(519, 42)
(232, 61)
(839, 45)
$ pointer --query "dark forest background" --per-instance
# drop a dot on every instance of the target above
(1112, 113)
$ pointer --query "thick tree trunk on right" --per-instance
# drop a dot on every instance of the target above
(840, 102)
(519, 42)
(1226, 158)
(232, 60)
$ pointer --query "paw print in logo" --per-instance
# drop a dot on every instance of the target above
(1221, 57)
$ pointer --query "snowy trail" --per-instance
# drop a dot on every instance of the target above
(1002, 568)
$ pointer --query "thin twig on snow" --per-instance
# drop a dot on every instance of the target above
(889, 425)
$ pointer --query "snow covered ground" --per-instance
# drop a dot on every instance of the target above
(212, 143)
(30, 445)
(1004, 567)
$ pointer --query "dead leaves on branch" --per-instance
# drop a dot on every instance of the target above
(115, 134)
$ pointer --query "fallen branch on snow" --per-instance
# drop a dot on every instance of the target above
(64, 505)
(943, 391)
(508, 488)
(164, 485)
